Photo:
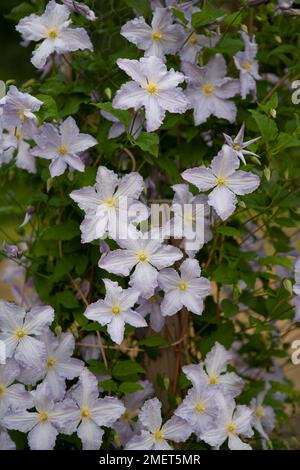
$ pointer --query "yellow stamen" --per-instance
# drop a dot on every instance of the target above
(142, 257)
(221, 181)
(157, 35)
(260, 412)
(63, 150)
(208, 89)
(193, 39)
(213, 380)
(52, 33)
(110, 202)
(237, 147)
(2, 390)
(19, 135)
(158, 435)
(116, 310)
(231, 428)
(247, 66)
(152, 88)
(85, 413)
(20, 333)
(22, 116)
(199, 408)
(51, 362)
(43, 417)
(153, 299)
(182, 286)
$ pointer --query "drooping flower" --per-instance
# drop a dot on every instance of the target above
(111, 206)
(209, 90)
(118, 128)
(62, 146)
(161, 38)
(80, 8)
(21, 331)
(91, 413)
(233, 422)
(89, 348)
(224, 180)
(152, 308)
(13, 396)
(18, 139)
(185, 290)
(18, 110)
(147, 257)
(247, 65)
(45, 423)
(116, 310)
(263, 415)
(153, 87)
(154, 434)
(53, 29)
(238, 145)
(214, 372)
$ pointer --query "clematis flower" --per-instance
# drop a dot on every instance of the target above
(238, 146)
(209, 90)
(233, 422)
(57, 366)
(89, 348)
(12, 396)
(18, 109)
(200, 407)
(19, 142)
(6, 443)
(187, 8)
(62, 146)
(296, 287)
(263, 415)
(126, 427)
(161, 38)
(21, 331)
(225, 181)
(214, 372)
(152, 308)
(247, 65)
(116, 310)
(185, 290)
(45, 423)
(154, 434)
(53, 28)
(80, 8)
(2, 353)
(153, 87)
(90, 413)
(146, 256)
(111, 206)
(194, 43)
(118, 128)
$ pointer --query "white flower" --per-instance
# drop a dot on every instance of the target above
(161, 38)
(146, 256)
(12, 396)
(62, 146)
(18, 109)
(214, 373)
(80, 8)
(247, 65)
(153, 87)
(43, 424)
(200, 407)
(185, 290)
(263, 415)
(116, 310)
(238, 146)
(297, 278)
(194, 43)
(53, 28)
(21, 331)
(209, 90)
(118, 128)
(233, 421)
(90, 412)
(2, 352)
(154, 434)
(58, 364)
(111, 206)
(17, 139)
(152, 308)
(89, 348)
(224, 180)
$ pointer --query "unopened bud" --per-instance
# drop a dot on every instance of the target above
(166, 382)
(242, 204)
(58, 330)
(273, 113)
(108, 93)
(244, 28)
(255, 160)
(278, 39)
(49, 184)
(288, 286)
(267, 173)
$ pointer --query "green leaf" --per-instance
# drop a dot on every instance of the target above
(129, 387)
(229, 308)
(20, 11)
(123, 116)
(270, 260)
(266, 125)
(71, 105)
(148, 141)
(229, 231)
(142, 7)
(66, 231)
(154, 341)
(48, 109)
(67, 299)
(109, 385)
(206, 16)
(63, 267)
(124, 368)
(180, 15)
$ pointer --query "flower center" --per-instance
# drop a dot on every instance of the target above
(153, 299)
(43, 417)
(236, 147)
(52, 33)
(193, 39)
(115, 309)
(63, 150)
(213, 380)
(152, 88)
(182, 286)
(142, 257)
(156, 36)
(19, 135)
(51, 362)
(260, 412)
(199, 408)
(85, 413)
(111, 202)
(208, 89)
(221, 181)
(22, 116)
(247, 66)
(20, 333)
(231, 428)
(2, 390)
(158, 435)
